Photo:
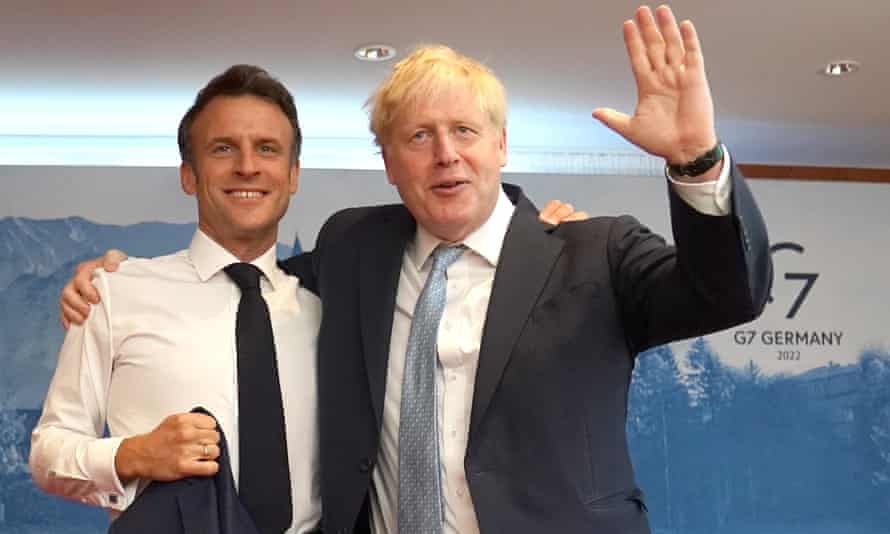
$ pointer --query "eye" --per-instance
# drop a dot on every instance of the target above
(465, 131)
(420, 135)
(269, 149)
(221, 148)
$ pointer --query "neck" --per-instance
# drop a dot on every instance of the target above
(245, 250)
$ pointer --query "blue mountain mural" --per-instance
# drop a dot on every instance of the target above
(717, 449)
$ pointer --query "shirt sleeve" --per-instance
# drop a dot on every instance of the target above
(710, 198)
(70, 456)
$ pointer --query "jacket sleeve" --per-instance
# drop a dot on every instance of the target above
(717, 275)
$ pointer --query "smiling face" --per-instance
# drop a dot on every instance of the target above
(242, 172)
(444, 155)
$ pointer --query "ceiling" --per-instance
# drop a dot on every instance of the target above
(103, 68)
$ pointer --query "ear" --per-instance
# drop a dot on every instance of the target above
(188, 179)
(295, 176)
(502, 147)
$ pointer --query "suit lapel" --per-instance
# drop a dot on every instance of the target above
(526, 259)
(380, 265)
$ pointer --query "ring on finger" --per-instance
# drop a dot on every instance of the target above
(206, 450)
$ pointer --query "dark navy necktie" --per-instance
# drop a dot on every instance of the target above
(264, 477)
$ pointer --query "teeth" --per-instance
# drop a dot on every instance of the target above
(246, 194)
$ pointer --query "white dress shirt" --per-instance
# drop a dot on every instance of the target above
(459, 337)
(162, 341)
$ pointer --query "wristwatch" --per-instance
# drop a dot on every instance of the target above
(699, 165)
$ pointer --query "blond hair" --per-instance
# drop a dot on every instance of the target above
(426, 73)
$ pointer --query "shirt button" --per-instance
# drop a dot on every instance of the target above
(460, 493)
(454, 433)
(452, 377)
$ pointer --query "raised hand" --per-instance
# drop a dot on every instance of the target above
(674, 118)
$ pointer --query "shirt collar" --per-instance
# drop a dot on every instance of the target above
(486, 241)
(209, 258)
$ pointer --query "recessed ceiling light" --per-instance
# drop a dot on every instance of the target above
(841, 68)
(375, 52)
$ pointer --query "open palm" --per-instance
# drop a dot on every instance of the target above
(674, 118)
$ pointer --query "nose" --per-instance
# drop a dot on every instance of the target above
(446, 151)
(246, 165)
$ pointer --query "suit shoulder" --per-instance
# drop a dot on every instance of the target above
(594, 228)
(347, 219)
(350, 216)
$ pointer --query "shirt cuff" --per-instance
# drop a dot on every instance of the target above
(99, 458)
(709, 198)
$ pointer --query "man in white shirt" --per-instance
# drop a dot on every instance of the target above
(163, 339)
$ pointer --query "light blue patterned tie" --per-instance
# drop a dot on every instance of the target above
(420, 488)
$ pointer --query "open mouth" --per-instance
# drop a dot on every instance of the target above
(450, 185)
(245, 194)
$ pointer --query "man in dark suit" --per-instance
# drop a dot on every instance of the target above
(536, 327)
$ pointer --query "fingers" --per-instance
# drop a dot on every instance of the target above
(197, 464)
(652, 38)
(577, 216)
(636, 51)
(614, 120)
(563, 211)
(546, 214)
(550, 207)
(72, 304)
(200, 421)
(201, 468)
(193, 444)
(674, 51)
(83, 281)
(555, 212)
(206, 451)
(79, 292)
(112, 259)
(69, 314)
(192, 427)
(654, 42)
(691, 45)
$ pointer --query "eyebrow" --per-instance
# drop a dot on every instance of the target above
(223, 139)
(232, 141)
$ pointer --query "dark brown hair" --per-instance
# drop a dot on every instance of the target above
(240, 80)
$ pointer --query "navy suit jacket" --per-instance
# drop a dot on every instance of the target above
(570, 308)
(193, 505)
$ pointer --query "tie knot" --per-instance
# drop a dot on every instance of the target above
(247, 276)
(444, 256)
